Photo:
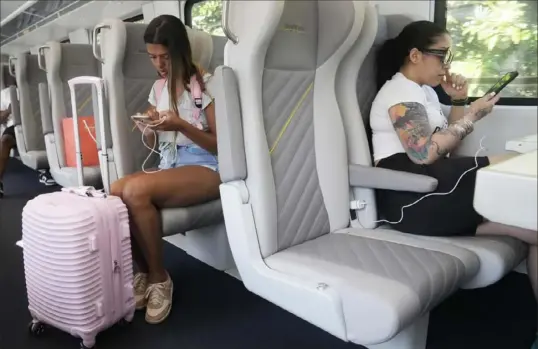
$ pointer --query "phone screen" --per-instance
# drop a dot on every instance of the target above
(505, 80)
(140, 117)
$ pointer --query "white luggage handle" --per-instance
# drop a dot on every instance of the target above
(99, 86)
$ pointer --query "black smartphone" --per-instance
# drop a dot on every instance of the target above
(505, 80)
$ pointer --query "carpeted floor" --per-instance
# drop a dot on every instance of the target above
(214, 311)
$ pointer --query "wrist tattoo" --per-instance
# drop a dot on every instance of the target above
(460, 129)
(481, 113)
(464, 127)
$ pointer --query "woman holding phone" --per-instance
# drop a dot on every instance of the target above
(410, 133)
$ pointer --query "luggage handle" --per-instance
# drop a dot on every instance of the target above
(99, 86)
(88, 192)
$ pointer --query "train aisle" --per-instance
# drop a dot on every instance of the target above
(214, 311)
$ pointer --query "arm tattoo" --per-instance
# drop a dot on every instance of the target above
(481, 113)
(441, 151)
(457, 132)
(410, 120)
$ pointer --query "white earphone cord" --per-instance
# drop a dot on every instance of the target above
(435, 194)
(152, 150)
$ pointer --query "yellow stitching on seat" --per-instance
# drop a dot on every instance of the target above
(293, 112)
(84, 104)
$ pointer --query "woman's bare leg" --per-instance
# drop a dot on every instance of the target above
(525, 235)
(144, 195)
(7, 142)
(117, 190)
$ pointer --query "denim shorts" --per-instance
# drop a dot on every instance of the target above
(186, 155)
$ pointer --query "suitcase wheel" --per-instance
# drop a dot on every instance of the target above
(36, 328)
(124, 323)
(82, 346)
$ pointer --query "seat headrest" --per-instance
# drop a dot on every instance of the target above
(27, 69)
(396, 23)
(123, 43)
(390, 26)
(201, 46)
(381, 35)
(123, 49)
(309, 35)
(70, 60)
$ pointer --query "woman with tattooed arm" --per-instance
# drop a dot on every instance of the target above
(411, 134)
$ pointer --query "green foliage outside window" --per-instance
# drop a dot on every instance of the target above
(493, 37)
(490, 38)
(206, 16)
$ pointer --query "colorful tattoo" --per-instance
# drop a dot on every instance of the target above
(410, 120)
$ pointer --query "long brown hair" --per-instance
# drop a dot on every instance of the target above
(169, 31)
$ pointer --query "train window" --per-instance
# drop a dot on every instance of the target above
(136, 19)
(491, 38)
(204, 15)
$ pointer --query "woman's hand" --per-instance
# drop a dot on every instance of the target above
(153, 114)
(167, 121)
(482, 107)
(455, 86)
(143, 125)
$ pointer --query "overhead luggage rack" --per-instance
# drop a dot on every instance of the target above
(34, 16)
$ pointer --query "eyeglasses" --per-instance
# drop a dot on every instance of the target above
(445, 55)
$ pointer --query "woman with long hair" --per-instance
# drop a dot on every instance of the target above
(410, 133)
(188, 170)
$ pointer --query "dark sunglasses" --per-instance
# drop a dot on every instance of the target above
(445, 55)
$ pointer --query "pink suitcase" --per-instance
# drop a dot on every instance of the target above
(77, 254)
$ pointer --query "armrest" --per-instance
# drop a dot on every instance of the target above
(382, 178)
(15, 106)
(46, 111)
(230, 141)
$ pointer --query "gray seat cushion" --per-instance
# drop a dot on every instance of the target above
(498, 256)
(35, 159)
(181, 220)
(67, 176)
(398, 282)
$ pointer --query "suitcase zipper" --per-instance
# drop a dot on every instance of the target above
(103, 219)
(115, 258)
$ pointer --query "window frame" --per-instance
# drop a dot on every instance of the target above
(187, 11)
(440, 17)
(134, 18)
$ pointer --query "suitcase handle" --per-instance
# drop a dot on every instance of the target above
(99, 86)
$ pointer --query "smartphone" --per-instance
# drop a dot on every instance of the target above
(140, 117)
(505, 80)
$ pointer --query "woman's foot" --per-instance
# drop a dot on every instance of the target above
(159, 301)
(140, 286)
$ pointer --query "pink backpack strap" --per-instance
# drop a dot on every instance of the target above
(159, 87)
(196, 93)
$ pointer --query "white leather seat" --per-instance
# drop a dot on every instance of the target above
(285, 191)
(217, 55)
(497, 255)
(129, 76)
(63, 62)
(27, 112)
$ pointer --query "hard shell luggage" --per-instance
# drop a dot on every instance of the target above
(77, 252)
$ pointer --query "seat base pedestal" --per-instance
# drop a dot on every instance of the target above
(413, 337)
